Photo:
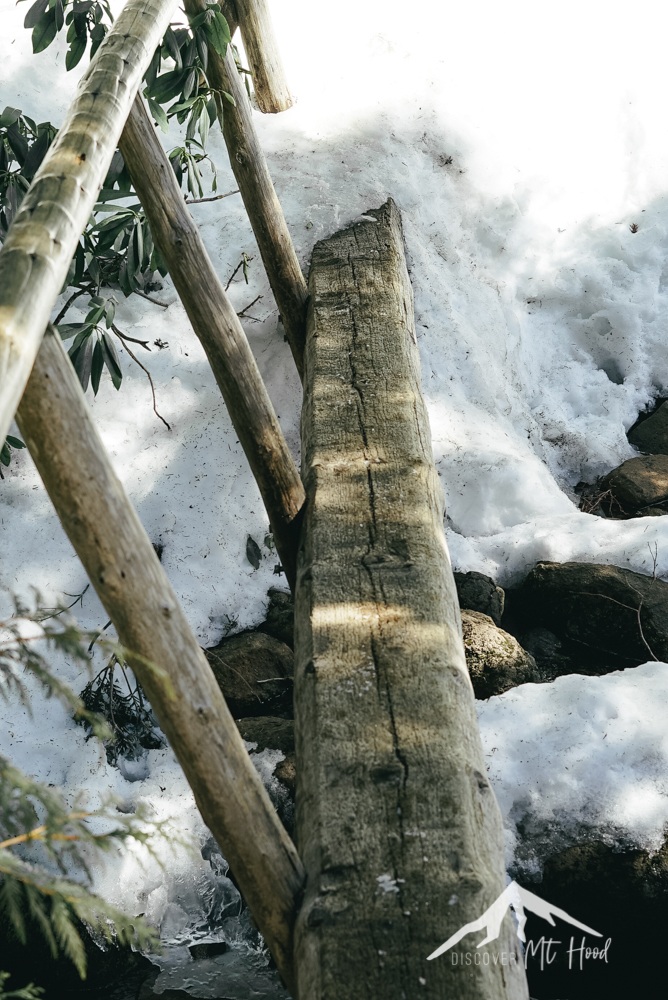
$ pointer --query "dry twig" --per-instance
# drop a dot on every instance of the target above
(136, 360)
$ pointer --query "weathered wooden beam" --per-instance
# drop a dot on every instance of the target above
(39, 246)
(264, 57)
(217, 325)
(251, 172)
(397, 824)
(103, 527)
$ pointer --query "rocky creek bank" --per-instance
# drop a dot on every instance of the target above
(561, 619)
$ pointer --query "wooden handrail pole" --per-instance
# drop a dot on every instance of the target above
(257, 31)
(251, 172)
(117, 554)
(41, 241)
(217, 325)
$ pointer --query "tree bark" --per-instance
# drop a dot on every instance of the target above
(104, 529)
(264, 58)
(39, 246)
(250, 169)
(397, 824)
(218, 328)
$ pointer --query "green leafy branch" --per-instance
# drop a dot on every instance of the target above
(117, 248)
(85, 19)
(23, 145)
(93, 347)
(186, 48)
(11, 444)
(187, 86)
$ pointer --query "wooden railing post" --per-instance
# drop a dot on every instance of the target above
(103, 527)
(257, 30)
(264, 210)
(40, 244)
(217, 326)
(397, 824)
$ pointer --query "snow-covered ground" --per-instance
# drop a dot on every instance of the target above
(520, 143)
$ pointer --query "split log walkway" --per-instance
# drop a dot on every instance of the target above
(398, 827)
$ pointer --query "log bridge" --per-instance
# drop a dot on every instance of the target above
(399, 840)
(398, 828)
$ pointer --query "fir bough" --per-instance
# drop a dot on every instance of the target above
(30, 992)
(47, 844)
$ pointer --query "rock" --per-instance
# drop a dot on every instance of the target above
(271, 733)
(651, 435)
(286, 772)
(280, 616)
(644, 874)
(495, 659)
(622, 894)
(549, 652)
(639, 483)
(254, 671)
(268, 732)
(618, 618)
(207, 949)
(478, 592)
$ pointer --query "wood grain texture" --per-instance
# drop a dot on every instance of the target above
(397, 824)
(264, 57)
(103, 527)
(251, 172)
(217, 325)
(39, 246)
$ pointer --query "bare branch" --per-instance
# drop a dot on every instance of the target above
(61, 315)
(242, 314)
(629, 607)
(244, 262)
(136, 360)
(156, 302)
(127, 338)
(215, 197)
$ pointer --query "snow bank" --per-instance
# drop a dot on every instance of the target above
(581, 758)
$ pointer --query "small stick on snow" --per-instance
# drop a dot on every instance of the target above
(242, 314)
(156, 302)
(124, 338)
(215, 197)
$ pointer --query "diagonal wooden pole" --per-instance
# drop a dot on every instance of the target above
(103, 527)
(264, 57)
(216, 324)
(251, 172)
(36, 254)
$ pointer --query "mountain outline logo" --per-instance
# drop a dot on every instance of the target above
(515, 897)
